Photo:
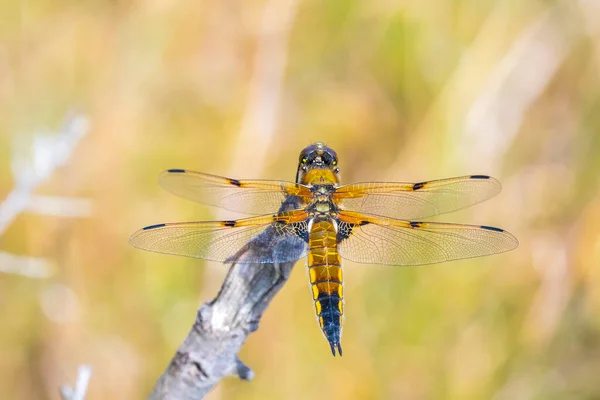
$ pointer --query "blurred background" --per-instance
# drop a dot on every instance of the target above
(98, 97)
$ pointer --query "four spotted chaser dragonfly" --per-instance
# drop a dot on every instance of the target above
(318, 218)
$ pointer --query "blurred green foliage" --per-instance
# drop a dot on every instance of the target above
(404, 91)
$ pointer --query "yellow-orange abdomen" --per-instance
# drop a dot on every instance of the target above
(325, 271)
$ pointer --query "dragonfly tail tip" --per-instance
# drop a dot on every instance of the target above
(335, 346)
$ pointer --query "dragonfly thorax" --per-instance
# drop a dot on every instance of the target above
(323, 207)
(322, 202)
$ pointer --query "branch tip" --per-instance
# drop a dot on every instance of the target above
(243, 371)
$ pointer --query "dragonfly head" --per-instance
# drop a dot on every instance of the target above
(318, 164)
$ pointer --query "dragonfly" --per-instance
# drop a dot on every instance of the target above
(323, 221)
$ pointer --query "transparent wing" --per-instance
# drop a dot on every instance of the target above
(417, 200)
(256, 197)
(277, 238)
(371, 239)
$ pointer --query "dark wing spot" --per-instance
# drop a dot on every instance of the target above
(480, 177)
(153, 226)
(344, 230)
(419, 185)
(300, 230)
(235, 182)
(362, 223)
(491, 228)
(229, 223)
(176, 171)
(415, 224)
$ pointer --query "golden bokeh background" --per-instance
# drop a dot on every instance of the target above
(403, 90)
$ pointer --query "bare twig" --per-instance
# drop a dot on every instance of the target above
(31, 267)
(66, 207)
(32, 166)
(84, 373)
(209, 353)
(31, 170)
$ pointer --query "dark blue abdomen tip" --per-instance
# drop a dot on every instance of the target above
(335, 346)
(332, 333)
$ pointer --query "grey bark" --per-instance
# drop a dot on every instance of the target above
(209, 352)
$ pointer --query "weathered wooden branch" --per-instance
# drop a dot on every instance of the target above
(209, 352)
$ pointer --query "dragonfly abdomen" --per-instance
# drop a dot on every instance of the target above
(325, 271)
